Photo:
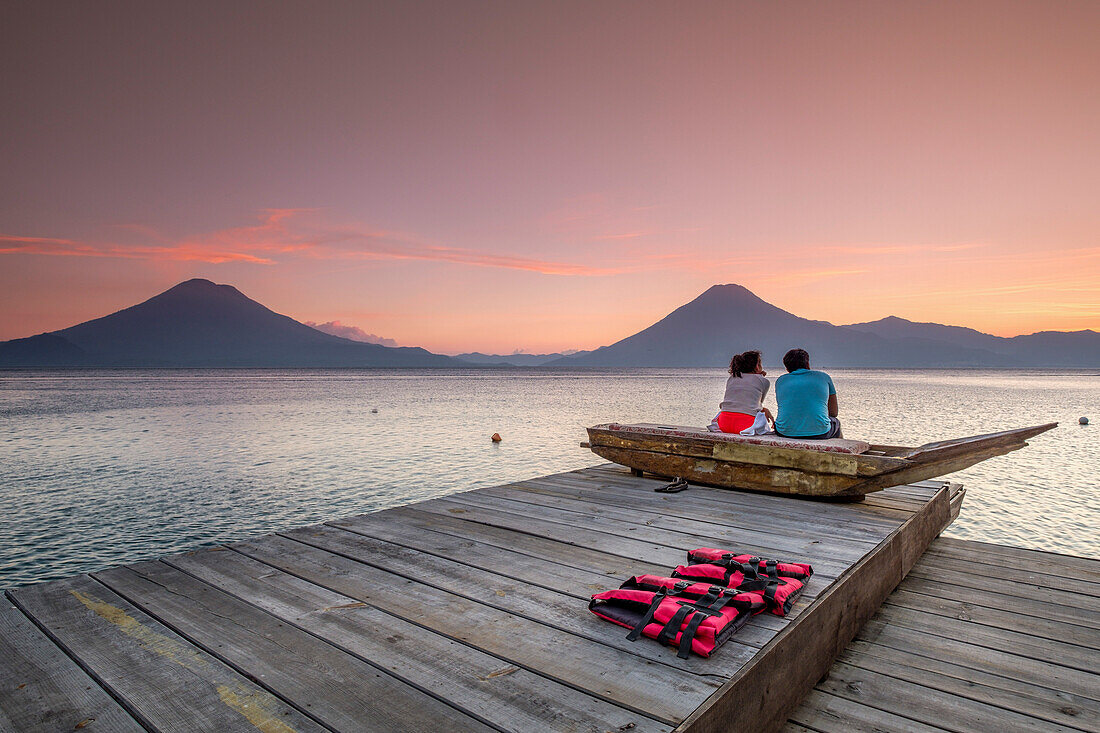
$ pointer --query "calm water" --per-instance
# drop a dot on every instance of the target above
(100, 468)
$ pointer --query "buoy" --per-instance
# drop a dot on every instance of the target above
(1084, 421)
(496, 438)
(375, 409)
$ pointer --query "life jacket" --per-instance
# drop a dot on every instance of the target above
(694, 617)
(781, 583)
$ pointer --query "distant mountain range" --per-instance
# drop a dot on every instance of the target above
(525, 360)
(200, 324)
(729, 318)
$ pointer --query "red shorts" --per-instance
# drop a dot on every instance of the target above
(734, 422)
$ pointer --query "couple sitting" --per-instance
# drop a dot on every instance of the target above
(806, 398)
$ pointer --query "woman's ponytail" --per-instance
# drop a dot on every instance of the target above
(744, 363)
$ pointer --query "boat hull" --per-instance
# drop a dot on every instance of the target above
(793, 471)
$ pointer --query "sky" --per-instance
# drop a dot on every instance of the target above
(541, 176)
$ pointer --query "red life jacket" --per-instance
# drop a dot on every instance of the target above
(780, 583)
(690, 616)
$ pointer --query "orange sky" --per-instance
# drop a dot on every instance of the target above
(503, 176)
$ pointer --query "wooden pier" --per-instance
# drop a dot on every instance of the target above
(978, 637)
(469, 612)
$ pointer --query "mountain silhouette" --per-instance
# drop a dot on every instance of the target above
(729, 318)
(200, 324)
(1042, 349)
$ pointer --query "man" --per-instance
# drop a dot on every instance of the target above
(807, 400)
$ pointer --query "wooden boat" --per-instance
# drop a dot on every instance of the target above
(816, 468)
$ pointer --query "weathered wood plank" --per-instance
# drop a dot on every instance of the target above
(503, 695)
(1000, 556)
(1015, 572)
(609, 477)
(1004, 600)
(656, 690)
(632, 519)
(1032, 698)
(826, 713)
(165, 682)
(42, 689)
(673, 514)
(744, 476)
(774, 682)
(541, 604)
(1067, 655)
(797, 548)
(918, 702)
(1038, 627)
(1001, 662)
(536, 571)
(340, 690)
(603, 563)
(848, 464)
(701, 503)
(1011, 586)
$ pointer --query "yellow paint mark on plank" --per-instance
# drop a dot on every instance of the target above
(255, 706)
(258, 707)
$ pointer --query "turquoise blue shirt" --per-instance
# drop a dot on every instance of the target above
(803, 397)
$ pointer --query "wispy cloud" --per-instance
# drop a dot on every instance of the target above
(344, 330)
(624, 235)
(284, 234)
(899, 249)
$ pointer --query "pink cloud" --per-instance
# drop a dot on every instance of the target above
(335, 328)
(282, 234)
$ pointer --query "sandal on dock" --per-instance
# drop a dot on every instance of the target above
(677, 485)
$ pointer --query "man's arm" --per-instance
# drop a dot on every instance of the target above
(834, 410)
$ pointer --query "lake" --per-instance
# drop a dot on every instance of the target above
(99, 468)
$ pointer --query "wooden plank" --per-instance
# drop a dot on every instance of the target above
(165, 683)
(1000, 556)
(840, 547)
(1001, 662)
(545, 605)
(610, 539)
(536, 571)
(619, 487)
(685, 507)
(1009, 585)
(1004, 600)
(1022, 643)
(603, 563)
(812, 461)
(956, 446)
(1014, 573)
(1039, 627)
(42, 689)
(1031, 698)
(656, 690)
(722, 473)
(503, 695)
(918, 702)
(833, 517)
(826, 713)
(770, 686)
(832, 559)
(339, 690)
(611, 477)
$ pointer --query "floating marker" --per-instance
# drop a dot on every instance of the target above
(1084, 421)
(374, 409)
(496, 438)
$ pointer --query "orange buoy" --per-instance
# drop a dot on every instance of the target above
(496, 438)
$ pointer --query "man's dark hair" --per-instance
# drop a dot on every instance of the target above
(796, 359)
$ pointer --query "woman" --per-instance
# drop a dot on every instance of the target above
(745, 391)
